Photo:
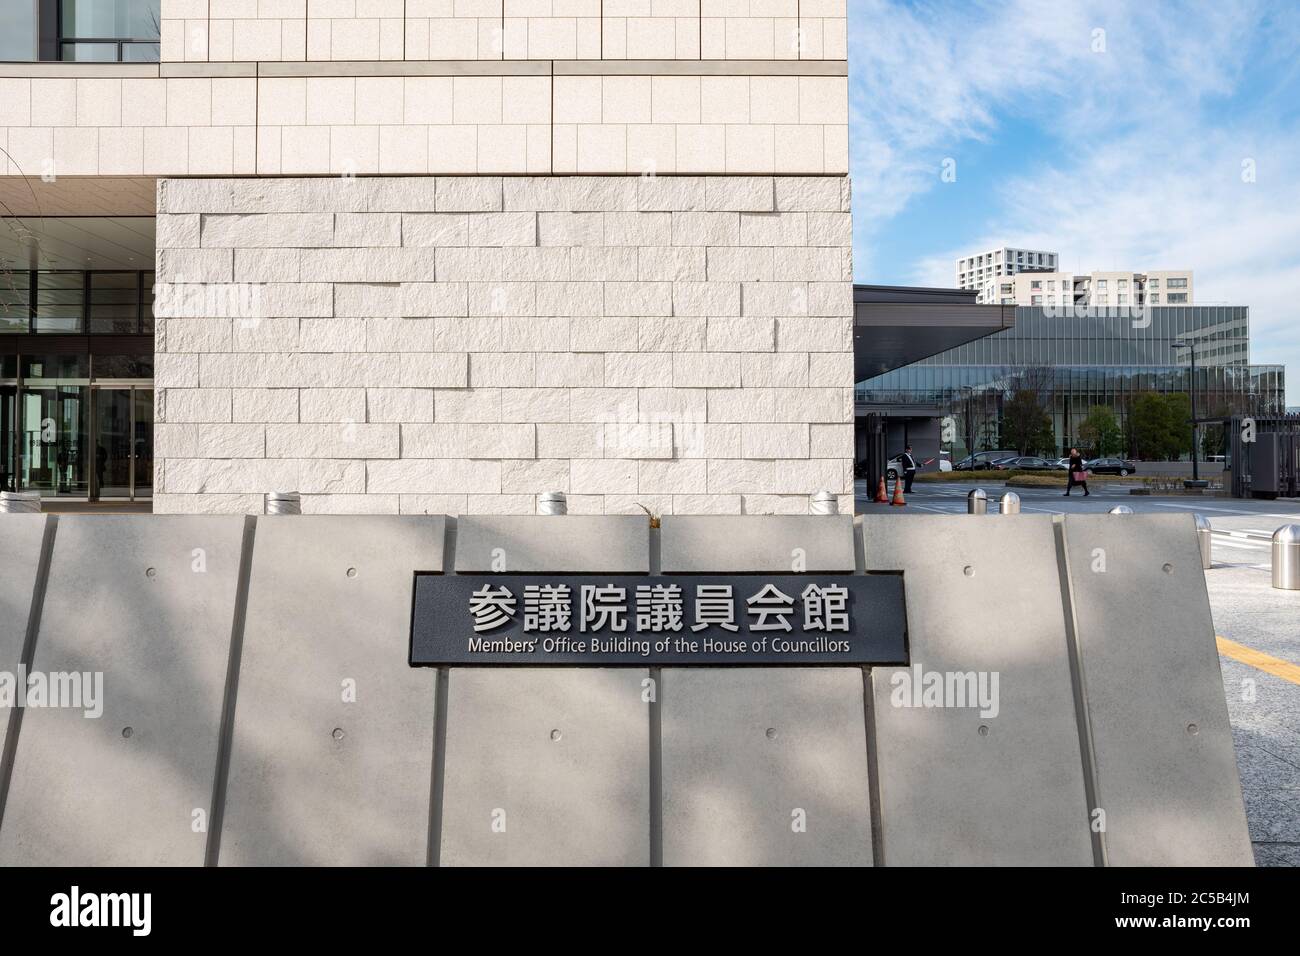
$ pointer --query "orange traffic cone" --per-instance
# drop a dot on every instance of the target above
(898, 491)
(882, 496)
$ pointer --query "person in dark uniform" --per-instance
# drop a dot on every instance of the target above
(1078, 476)
(909, 468)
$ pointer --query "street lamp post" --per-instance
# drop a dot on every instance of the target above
(1191, 351)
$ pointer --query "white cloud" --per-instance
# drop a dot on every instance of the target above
(1151, 176)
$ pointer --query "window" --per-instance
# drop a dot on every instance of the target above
(1051, 285)
(1036, 300)
(1035, 284)
(1155, 298)
(1154, 283)
(1008, 288)
(114, 301)
(1176, 297)
(59, 300)
(114, 31)
(1101, 285)
(1176, 284)
(15, 302)
(1123, 283)
(1123, 298)
(18, 31)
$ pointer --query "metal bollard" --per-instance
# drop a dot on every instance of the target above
(1286, 557)
(1120, 510)
(283, 503)
(825, 503)
(1009, 504)
(552, 503)
(20, 502)
(1204, 539)
(977, 502)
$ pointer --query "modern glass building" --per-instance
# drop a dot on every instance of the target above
(77, 358)
(1077, 359)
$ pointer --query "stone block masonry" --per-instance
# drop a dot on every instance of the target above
(463, 344)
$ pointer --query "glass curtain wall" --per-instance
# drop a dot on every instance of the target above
(1076, 362)
(76, 398)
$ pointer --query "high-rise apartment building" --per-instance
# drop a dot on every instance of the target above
(979, 271)
(1093, 290)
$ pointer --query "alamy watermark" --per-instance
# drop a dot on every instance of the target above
(917, 687)
(71, 690)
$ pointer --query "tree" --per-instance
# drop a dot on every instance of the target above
(1025, 426)
(1160, 426)
(1101, 433)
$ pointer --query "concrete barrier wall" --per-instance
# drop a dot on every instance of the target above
(274, 719)
(148, 603)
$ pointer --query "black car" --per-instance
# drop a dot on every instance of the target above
(1110, 466)
(1025, 463)
(982, 460)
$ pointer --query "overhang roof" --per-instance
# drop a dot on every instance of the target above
(898, 325)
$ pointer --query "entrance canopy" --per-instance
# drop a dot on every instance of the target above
(897, 325)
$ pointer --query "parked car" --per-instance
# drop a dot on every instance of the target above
(1024, 463)
(895, 467)
(1063, 463)
(983, 460)
(1110, 466)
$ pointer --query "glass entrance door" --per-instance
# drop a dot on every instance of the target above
(8, 434)
(123, 435)
(52, 443)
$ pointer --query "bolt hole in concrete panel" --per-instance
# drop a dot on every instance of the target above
(515, 793)
(1166, 772)
(332, 750)
(79, 796)
(20, 555)
(1017, 795)
(763, 765)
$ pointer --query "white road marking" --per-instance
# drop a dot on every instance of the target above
(1241, 546)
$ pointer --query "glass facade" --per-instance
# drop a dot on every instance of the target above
(111, 31)
(76, 383)
(1075, 360)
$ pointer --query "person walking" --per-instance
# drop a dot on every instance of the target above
(1078, 475)
(909, 469)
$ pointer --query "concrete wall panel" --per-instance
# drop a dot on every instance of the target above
(316, 778)
(1166, 773)
(20, 543)
(553, 543)
(764, 767)
(776, 543)
(546, 767)
(957, 787)
(148, 602)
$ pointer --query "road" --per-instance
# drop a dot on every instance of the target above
(1258, 629)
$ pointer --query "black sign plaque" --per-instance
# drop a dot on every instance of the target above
(634, 620)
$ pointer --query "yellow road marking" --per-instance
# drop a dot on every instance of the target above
(1259, 660)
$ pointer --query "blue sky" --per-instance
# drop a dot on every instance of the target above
(1141, 135)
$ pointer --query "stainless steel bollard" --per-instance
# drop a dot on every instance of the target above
(1204, 539)
(825, 503)
(1286, 557)
(20, 502)
(552, 503)
(283, 503)
(1009, 503)
(977, 502)
(1120, 510)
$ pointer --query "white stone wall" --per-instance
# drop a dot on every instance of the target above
(461, 345)
(337, 30)
(111, 119)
